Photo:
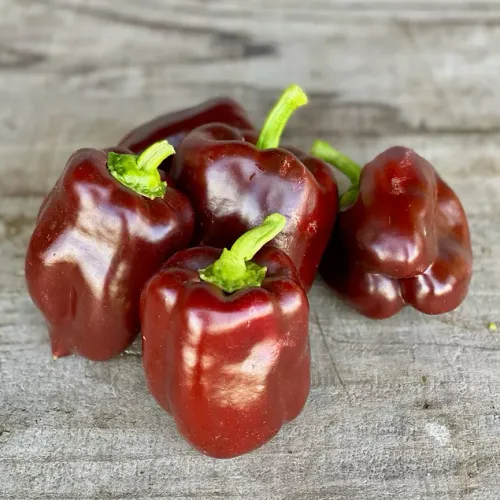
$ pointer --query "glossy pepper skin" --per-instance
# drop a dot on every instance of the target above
(231, 369)
(174, 126)
(95, 244)
(404, 240)
(234, 184)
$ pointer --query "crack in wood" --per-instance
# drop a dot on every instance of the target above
(12, 58)
(238, 45)
(330, 357)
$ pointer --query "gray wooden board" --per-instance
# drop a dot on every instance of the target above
(404, 408)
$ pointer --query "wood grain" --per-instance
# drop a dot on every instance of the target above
(405, 408)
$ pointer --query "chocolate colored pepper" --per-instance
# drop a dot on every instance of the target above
(174, 126)
(401, 238)
(225, 342)
(107, 225)
(234, 184)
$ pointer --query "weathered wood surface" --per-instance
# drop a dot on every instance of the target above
(405, 408)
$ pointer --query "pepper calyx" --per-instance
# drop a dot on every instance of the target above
(140, 172)
(234, 269)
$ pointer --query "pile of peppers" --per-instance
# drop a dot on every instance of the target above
(205, 235)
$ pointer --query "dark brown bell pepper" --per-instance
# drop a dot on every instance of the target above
(107, 225)
(174, 126)
(234, 184)
(225, 342)
(401, 236)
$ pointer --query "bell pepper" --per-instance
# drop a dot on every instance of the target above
(234, 185)
(401, 236)
(174, 126)
(225, 342)
(107, 225)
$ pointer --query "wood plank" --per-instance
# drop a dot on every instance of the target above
(440, 81)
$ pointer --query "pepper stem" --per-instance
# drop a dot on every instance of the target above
(292, 98)
(344, 164)
(340, 161)
(140, 172)
(233, 270)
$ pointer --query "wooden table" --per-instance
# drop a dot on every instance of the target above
(404, 408)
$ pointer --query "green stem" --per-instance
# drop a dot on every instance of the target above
(344, 164)
(233, 270)
(349, 197)
(140, 173)
(292, 98)
(340, 161)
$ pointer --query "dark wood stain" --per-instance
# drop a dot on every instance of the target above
(15, 59)
(246, 47)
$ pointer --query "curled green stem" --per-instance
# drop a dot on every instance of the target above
(342, 163)
(140, 172)
(292, 98)
(349, 197)
(234, 269)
